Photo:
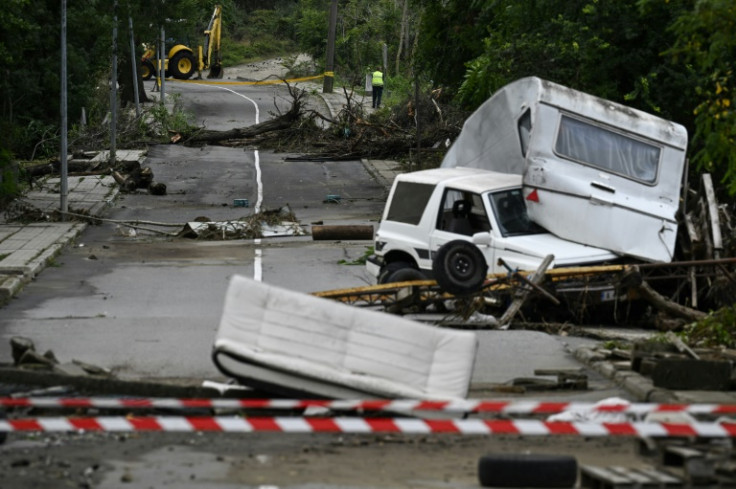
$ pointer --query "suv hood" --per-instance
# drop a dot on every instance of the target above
(566, 253)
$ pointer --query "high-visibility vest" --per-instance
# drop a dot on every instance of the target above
(377, 79)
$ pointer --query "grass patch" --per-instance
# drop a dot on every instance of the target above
(360, 260)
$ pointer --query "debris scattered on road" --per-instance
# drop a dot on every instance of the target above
(25, 356)
(265, 224)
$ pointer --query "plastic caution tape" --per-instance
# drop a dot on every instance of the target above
(357, 425)
(262, 82)
(401, 405)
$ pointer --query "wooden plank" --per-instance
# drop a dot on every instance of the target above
(521, 298)
(665, 479)
(639, 479)
(617, 477)
(602, 478)
(715, 223)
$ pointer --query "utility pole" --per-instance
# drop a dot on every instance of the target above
(114, 85)
(134, 63)
(162, 66)
(330, 65)
(63, 204)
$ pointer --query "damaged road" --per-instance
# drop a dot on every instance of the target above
(161, 297)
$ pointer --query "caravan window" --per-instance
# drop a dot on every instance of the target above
(607, 150)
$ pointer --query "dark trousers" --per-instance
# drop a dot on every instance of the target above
(377, 92)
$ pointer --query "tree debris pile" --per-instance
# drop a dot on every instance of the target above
(353, 133)
(280, 221)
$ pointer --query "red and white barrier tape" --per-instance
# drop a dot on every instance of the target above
(358, 425)
(456, 406)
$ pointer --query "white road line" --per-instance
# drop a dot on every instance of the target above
(257, 264)
(259, 183)
(258, 260)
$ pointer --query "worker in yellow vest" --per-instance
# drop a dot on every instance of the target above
(377, 83)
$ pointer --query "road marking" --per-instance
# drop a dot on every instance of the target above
(258, 261)
(258, 264)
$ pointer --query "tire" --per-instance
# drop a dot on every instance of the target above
(406, 274)
(147, 70)
(390, 268)
(460, 267)
(182, 66)
(527, 470)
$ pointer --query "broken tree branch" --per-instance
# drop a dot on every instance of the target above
(669, 307)
(521, 297)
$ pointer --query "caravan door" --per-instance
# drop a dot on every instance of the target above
(594, 184)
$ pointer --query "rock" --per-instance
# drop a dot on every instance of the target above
(20, 346)
(70, 369)
(32, 358)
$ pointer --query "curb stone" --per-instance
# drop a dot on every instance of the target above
(107, 386)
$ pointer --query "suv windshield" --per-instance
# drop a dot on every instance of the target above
(510, 211)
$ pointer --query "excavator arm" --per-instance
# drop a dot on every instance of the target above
(210, 56)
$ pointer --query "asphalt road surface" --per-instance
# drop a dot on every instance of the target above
(161, 297)
(148, 306)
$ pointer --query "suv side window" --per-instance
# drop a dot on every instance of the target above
(409, 201)
(462, 213)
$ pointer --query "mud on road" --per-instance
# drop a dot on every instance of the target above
(223, 460)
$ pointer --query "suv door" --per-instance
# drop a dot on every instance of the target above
(460, 216)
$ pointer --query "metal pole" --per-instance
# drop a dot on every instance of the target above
(384, 56)
(114, 85)
(63, 205)
(330, 63)
(162, 66)
(134, 63)
(416, 118)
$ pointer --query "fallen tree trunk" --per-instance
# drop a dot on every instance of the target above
(669, 307)
(283, 122)
(342, 232)
(35, 171)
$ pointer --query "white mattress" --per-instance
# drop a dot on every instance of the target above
(322, 346)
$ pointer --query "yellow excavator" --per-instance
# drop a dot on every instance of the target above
(182, 62)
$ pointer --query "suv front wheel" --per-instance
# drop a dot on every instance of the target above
(399, 271)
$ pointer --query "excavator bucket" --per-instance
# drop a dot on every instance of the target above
(216, 71)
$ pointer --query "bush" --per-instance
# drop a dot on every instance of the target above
(9, 188)
(717, 329)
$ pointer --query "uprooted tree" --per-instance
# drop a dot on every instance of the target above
(351, 134)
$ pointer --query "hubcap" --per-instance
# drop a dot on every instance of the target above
(461, 265)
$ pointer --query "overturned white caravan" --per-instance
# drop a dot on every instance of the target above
(594, 171)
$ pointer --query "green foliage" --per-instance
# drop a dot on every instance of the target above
(706, 42)
(718, 329)
(311, 21)
(8, 177)
(670, 57)
(599, 47)
(451, 34)
(178, 120)
(397, 89)
(360, 260)
(12, 23)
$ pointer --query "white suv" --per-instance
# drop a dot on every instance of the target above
(454, 224)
